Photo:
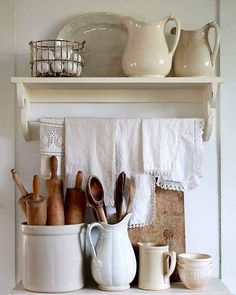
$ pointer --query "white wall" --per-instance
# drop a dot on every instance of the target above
(228, 142)
(41, 19)
(7, 148)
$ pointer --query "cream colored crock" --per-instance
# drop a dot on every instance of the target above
(53, 258)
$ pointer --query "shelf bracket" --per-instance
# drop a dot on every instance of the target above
(209, 120)
(24, 105)
(209, 110)
(214, 94)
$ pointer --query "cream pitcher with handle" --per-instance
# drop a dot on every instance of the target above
(113, 263)
(147, 53)
(154, 267)
(194, 56)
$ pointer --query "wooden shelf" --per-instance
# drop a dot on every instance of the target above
(215, 287)
(117, 90)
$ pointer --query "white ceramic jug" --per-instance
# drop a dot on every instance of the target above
(194, 56)
(154, 268)
(113, 261)
(147, 53)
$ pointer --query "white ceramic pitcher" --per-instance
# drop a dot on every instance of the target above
(147, 53)
(154, 268)
(113, 261)
(194, 56)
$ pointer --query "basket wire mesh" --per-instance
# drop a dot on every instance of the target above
(56, 58)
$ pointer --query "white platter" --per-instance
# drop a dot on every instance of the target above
(105, 37)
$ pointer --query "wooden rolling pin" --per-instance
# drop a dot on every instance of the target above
(36, 206)
(24, 194)
(54, 196)
(75, 202)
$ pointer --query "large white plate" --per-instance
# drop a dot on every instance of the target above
(105, 37)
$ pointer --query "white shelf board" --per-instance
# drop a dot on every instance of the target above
(117, 90)
(215, 287)
(116, 82)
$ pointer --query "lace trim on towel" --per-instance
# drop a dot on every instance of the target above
(198, 154)
(169, 184)
(52, 142)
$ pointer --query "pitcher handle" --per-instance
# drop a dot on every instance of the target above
(89, 231)
(177, 34)
(172, 256)
(217, 41)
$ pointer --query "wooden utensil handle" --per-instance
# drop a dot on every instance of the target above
(17, 181)
(120, 187)
(78, 180)
(53, 167)
(131, 195)
(36, 188)
(101, 214)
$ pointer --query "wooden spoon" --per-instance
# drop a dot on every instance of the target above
(95, 197)
(120, 187)
(75, 202)
(36, 206)
(132, 189)
(24, 194)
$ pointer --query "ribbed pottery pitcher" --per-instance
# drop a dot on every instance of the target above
(113, 261)
(194, 56)
(147, 53)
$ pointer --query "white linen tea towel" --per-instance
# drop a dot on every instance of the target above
(129, 155)
(144, 205)
(90, 147)
(129, 158)
(173, 151)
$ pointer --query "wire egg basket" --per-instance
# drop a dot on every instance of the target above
(56, 58)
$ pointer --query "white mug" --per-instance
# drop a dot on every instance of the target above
(154, 268)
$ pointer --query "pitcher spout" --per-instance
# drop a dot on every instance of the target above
(206, 27)
(128, 22)
(126, 219)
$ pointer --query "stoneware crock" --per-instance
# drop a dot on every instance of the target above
(53, 257)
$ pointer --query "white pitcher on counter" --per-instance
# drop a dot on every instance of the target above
(113, 263)
(194, 56)
(147, 53)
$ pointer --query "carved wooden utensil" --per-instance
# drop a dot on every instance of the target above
(132, 189)
(95, 197)
(54, 196)
(75, 202)
(36, 206)
(25, 195)
(120, 187)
